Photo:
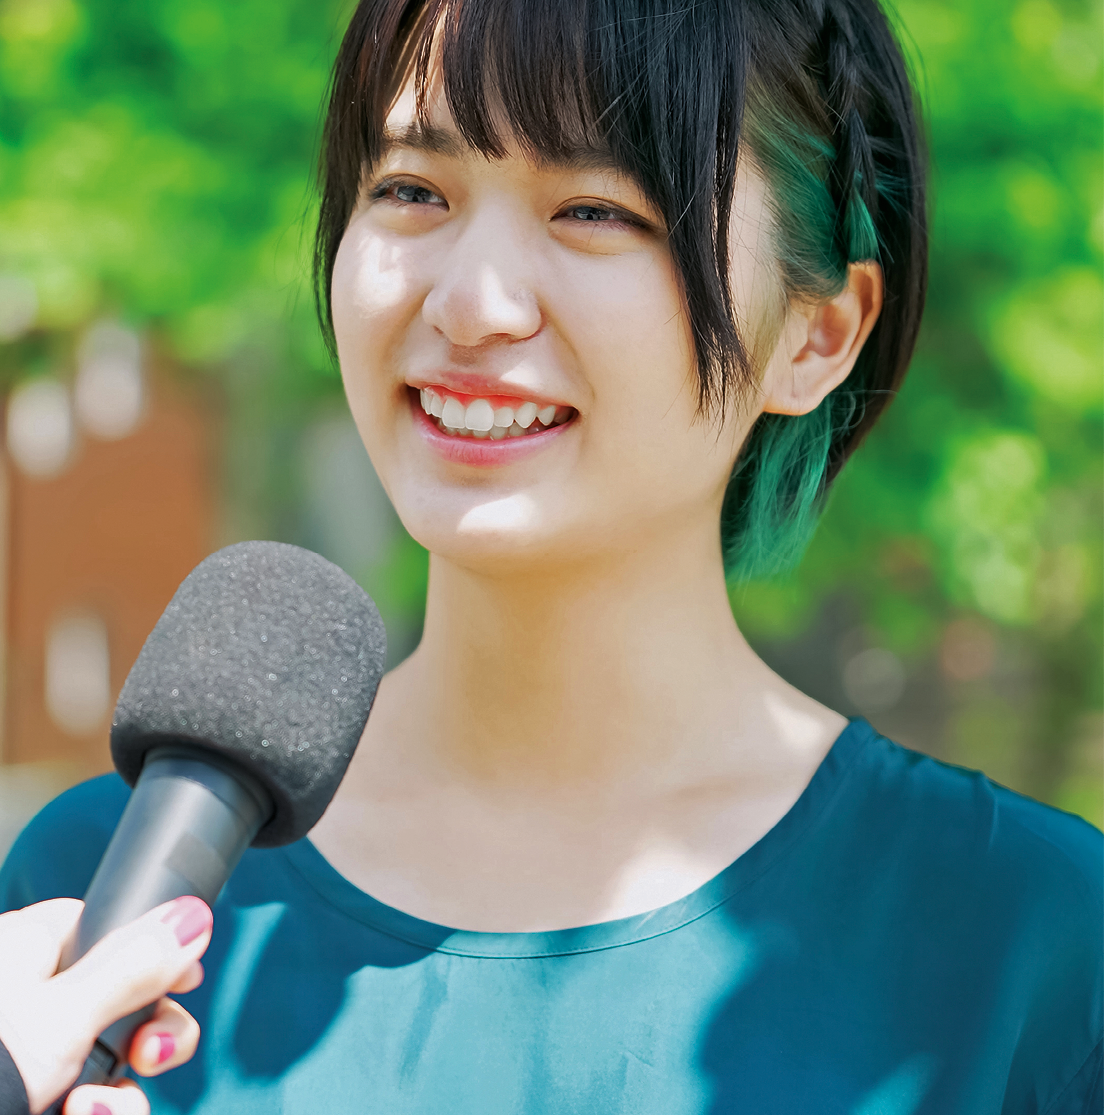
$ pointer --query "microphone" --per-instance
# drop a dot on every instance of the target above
(234, 728)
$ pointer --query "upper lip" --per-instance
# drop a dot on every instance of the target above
(481, 386)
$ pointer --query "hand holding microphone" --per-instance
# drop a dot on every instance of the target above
(48, 1021)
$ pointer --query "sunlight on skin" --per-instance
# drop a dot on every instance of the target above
(515, 512)
(793, 721)
(382, 283)
(489, 285)
(668, 863)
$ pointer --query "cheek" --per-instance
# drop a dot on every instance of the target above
(374, 296)
(380, 283)
(631, 334)
(370, 298)
(628, 319)
(371, 285)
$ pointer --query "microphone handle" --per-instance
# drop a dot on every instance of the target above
(190, 817)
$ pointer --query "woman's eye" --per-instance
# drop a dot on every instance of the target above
(592, 226)
(416, 195)
(593, 213)
(409, 193)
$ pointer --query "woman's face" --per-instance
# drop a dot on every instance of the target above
(534, 312)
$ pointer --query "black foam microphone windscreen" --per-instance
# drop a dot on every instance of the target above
(234, 727)
(270, 656)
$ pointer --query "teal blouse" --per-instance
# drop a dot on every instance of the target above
(910, 939)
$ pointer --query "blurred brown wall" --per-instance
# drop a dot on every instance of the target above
(113, 535)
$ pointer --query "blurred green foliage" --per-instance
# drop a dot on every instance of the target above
(155, 160)
(155, 164)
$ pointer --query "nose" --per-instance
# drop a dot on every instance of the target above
(484, 289)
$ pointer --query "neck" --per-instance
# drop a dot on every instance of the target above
(570, 746)
(614, 672)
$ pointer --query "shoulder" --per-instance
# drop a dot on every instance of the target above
(1005, 892)
(962, 823)
(979, 867)
(57, 853)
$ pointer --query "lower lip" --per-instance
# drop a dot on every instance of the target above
(481, 451)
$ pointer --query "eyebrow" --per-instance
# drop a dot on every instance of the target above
(436, 140)
(423, 137)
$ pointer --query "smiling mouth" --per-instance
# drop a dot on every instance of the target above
(481, 418)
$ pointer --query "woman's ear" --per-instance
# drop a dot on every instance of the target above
(820, 343)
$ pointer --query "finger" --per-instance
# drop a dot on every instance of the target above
(168, 1039)
(38, 933)
(189, 981)
(137, 963)
(126, 1098)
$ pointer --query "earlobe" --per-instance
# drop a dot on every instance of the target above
(820, 343)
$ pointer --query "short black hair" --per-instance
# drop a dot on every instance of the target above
(819, 91)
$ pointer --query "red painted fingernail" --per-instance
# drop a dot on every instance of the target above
(99, 1109)
(167, 1047)
(188, 917)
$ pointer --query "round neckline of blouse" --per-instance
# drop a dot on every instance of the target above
(823, 788)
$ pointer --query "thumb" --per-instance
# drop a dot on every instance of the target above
(136, 964)
(35, 935)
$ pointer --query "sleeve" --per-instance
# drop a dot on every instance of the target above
(1060, 968)
(1085, 1093)
(13, 1095)
(56, 855)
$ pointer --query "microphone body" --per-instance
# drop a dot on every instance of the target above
(186, 825)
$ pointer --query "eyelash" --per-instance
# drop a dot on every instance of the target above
(616, 216)
(382, 189)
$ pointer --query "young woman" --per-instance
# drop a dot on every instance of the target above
(616, 288)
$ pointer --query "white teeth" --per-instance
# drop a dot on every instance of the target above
(453, 413)
(482, 420)
(479, 416)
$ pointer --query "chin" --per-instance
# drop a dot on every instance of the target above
(495, 536)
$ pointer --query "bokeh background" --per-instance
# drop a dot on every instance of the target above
(166, 391)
